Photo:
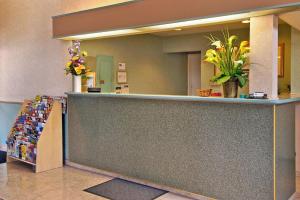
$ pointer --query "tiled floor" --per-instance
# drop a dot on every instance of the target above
(18, 182)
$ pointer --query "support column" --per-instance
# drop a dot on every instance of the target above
(263, 75)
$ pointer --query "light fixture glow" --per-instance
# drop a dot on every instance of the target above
(177, 26)
(103, 34)
(198, 22)
(247, 21)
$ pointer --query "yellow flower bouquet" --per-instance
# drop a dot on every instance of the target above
(77, 64)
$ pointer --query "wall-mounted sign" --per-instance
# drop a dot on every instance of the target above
(122, 66)
(122, 77)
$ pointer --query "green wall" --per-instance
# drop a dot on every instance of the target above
(158, 64)
(295, 61)
(284, 36)
(199, 42)
(149, 70)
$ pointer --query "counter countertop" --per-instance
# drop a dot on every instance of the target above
(190, 98)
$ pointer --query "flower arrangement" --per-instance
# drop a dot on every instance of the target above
(76, 65)
(229, 58)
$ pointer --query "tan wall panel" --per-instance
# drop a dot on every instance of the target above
(79, 5)
(144, 12)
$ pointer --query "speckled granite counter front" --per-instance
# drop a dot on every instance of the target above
(230, 151)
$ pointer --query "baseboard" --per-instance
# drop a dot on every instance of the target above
(3, 147)
(144, 182)
(11, 102)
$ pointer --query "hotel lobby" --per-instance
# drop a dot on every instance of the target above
(150, 100)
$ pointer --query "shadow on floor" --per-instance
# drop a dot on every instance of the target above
(2, 157)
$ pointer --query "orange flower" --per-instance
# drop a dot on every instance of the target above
(81, 67)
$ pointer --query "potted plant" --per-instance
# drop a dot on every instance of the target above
(231, 60)
(76, 65)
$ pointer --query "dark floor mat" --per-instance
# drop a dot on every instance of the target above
(2, 157)
(119, 189)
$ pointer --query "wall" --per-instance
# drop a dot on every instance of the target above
(159, 58)
(284, 36)
(173, 47)
(149, 69)
(295, 63)
(31, 61)
(33, 57)
(8, 113)
(199, 42)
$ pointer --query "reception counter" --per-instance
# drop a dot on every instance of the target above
(230, 149)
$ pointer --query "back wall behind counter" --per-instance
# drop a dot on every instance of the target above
(149, 69)
(157, 63)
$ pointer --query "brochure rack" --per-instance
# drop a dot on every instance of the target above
(45, 153)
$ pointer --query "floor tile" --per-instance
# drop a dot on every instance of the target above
(18, 182)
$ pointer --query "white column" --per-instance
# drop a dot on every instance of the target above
(264, 55)
(295, 62)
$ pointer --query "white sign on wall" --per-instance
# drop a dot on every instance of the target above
(122, 66)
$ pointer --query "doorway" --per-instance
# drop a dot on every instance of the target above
(104, 73)
(194, 73)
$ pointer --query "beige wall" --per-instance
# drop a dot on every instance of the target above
(149, 69)
(31, 62)
(264, 55)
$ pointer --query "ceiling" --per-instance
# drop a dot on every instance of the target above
(292, 18)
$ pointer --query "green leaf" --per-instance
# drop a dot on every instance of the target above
(242, 80)
(215, 78)
(223, 79)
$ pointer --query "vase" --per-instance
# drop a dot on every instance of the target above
(76, 83)
(230, 88)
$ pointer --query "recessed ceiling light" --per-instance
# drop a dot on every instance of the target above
(176, 26)
(247, 21)
(195, 22)
(102, 34)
